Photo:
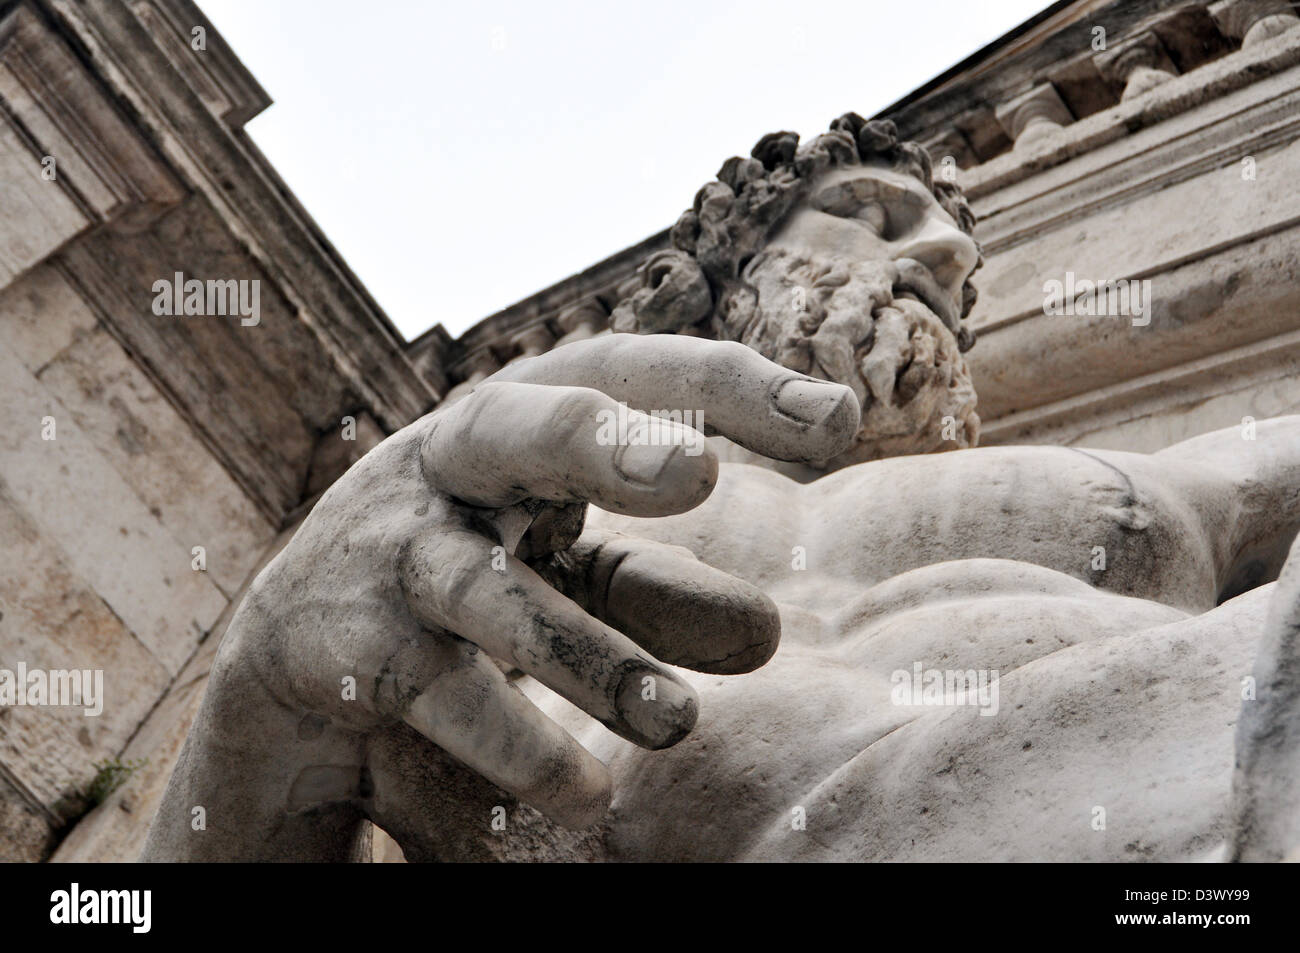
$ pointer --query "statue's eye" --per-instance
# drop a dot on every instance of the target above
(858, 200)
(874, 214)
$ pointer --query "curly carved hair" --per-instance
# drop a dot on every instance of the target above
(700, 276)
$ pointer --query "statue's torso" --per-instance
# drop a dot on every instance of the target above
(1112, 737)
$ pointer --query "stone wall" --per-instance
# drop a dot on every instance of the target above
(149, 462)
(1188, 185)
(96, 531)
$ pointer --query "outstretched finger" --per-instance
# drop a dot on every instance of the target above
(680, 610)
(514, 615)
(742, 395)
(472, 712)
(507, 442)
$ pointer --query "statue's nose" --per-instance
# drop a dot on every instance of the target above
(948, 252)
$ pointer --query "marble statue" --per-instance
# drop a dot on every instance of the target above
(507, 634)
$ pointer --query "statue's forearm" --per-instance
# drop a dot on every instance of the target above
(237, 791)
(1247, 487)
(1266, 779)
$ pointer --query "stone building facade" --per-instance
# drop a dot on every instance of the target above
(122, 164)
(152, 462)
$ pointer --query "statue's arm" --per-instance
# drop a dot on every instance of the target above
(1256, 467)
(1265, 823)
(1244, 482)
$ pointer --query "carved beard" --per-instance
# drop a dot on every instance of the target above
(851, 322)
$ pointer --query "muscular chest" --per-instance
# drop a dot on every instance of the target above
(1117, 527)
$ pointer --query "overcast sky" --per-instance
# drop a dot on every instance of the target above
(462, 156)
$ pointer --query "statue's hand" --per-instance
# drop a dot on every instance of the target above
(449, 546)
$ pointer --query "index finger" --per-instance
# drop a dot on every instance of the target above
(740, 394)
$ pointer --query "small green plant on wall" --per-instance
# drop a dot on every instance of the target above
(110, 774)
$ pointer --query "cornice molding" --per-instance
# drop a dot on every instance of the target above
(496, 337)
(256, 206)
(1249, 122)
(1179, 95)
(1134, 399)
(218, 76)
(58, 110)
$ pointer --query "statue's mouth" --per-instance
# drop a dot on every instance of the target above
(916, 282)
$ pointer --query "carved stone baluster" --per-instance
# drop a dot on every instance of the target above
(1254, 21)
(479, 365)
(581, 321)
(1139, 62)
(531, 341)
(950, 150)
(1033, 115)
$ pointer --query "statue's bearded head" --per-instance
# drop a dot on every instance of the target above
(842, 259)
